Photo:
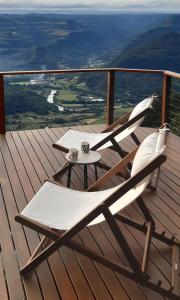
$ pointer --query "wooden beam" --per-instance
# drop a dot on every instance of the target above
(166, 90)
(175, 269)
(172, 74)
(113, 171)
(147, 247)
(64, 71)
(110, 96)
(120, 121)
(2, 107)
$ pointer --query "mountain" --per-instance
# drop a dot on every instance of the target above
(158, 48)
(74, 50)
(36, 41)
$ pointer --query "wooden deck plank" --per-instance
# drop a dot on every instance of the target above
(26, 160)
(21, 197)
(64, 285)
(49, 286)
(10, 230)
(3, 288)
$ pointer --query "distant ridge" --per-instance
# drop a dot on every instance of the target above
(158, 48)
(32, 41)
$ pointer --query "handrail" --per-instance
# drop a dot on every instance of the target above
(2, 106)
(172, 74)
(63, 71)
(166, 87)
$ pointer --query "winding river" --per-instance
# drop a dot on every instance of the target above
(50, 100)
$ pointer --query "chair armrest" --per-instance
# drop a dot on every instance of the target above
(121, 129)
(121, 120)
(61, 148)
(113, 171)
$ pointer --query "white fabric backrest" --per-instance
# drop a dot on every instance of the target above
(140, 107)
(161, 139)
(151, 147)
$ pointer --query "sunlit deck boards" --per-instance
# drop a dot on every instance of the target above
(26, 160)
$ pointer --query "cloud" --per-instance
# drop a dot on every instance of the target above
(92, 4)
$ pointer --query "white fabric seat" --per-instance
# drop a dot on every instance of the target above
(73, 138)
(61, 208)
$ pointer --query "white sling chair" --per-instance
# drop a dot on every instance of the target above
(107, 138)
(55, 209)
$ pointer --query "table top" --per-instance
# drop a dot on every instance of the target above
(85, 158)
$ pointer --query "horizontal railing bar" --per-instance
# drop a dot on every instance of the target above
(174, 100)
(172, 74)
(176, 114)
(175, 84)
(172, 105)
(175, 125)
(11, 73)
(176, 92)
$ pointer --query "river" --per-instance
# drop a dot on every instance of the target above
(50, 99)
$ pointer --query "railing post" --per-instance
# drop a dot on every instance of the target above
(166, 91)
(2, 106)
(110, 96)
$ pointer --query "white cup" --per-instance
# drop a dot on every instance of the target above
(85, 147)
(73, 154)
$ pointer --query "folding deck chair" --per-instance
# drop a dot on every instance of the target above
(107, 138)
(55, 208)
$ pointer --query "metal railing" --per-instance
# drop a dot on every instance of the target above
(171, 101)
(170, 112)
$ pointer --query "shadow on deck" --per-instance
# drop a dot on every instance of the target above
(27, 159)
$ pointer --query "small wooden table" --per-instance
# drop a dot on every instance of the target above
(85, 159)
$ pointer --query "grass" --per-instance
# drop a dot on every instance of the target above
(68, 91)
(119, 111)
(64, 95)
(82, 87)
(20, 83)
(101, 120)
(72, 105)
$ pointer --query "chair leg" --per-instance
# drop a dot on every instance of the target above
(135, 139)
(145, 210)
(38, 249)
(59, 241)
(144, 281)
(96, 173)
(85, 177)
(118, 149)
(122, 154)
(69, 175)
(123, 244)
(145, 260)
(154, 178)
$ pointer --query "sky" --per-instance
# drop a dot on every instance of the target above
(92, 5)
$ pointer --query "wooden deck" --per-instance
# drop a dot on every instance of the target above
(26, 160)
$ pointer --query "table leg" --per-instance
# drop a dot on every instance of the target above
(69, 176)
(85, 177)
(96, 174)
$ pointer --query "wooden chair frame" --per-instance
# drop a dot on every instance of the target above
(55, 239)
(125, 123)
